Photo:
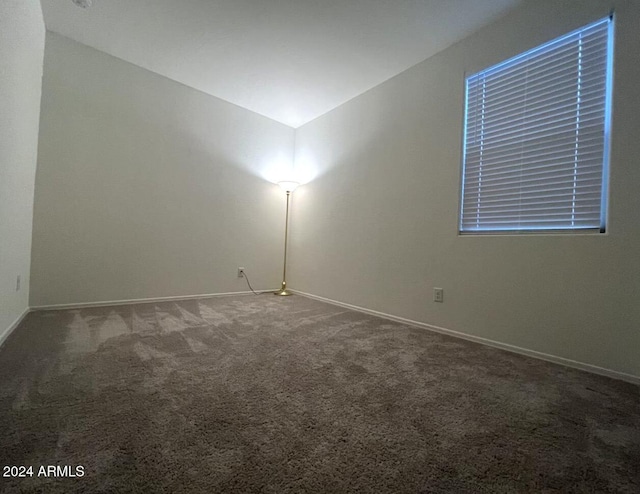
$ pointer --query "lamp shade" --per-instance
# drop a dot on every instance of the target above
(288, 186)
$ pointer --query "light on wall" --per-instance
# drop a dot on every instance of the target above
(288, 187)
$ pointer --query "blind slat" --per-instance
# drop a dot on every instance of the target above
(537, 77)
(534, 74)
(518, 127)
(530, 190)
(517, 160)
(525, 176)
(586, 96)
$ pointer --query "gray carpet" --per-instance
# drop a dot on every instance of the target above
(289, 395)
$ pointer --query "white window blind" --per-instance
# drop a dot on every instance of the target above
(536, 137)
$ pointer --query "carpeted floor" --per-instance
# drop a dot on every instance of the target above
(289, 395)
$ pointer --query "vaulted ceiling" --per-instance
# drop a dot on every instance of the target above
(290, 60)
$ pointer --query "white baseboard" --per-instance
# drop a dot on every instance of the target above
(107, 303)
(484, 341)
(7, 332)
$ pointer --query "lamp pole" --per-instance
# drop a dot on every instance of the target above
(288, 188)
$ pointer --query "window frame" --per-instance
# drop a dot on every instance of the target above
(606, 155)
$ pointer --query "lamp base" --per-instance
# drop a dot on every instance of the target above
(283, 292)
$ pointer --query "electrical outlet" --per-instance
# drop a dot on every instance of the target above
(18, 283)
(438, 295)
(240, 272)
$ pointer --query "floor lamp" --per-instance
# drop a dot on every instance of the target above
(288, 187)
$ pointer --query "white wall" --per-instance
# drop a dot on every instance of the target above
(21, 52)
(378, 227)
(147, 188)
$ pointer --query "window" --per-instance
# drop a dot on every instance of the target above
(536, 139)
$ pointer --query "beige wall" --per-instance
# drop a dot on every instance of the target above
(377, 228)
(21, 52)
(146, 188)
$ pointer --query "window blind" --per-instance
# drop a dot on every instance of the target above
(536, 137)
